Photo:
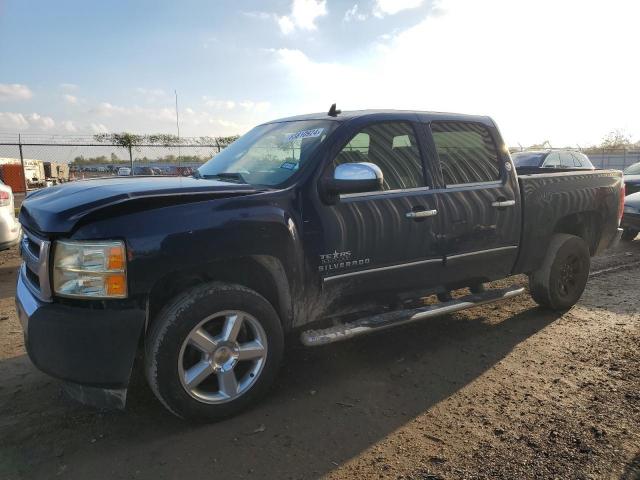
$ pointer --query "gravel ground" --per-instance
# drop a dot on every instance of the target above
(503, 391)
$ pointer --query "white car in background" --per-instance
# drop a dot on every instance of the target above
(124, 171)
(9, 226)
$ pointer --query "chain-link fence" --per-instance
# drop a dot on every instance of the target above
(616, 158)
(58, 159)
(47, 159)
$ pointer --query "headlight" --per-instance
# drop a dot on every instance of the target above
(630, 209)
(90, 269)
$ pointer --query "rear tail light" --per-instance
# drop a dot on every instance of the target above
(623, 192)
(5, 198)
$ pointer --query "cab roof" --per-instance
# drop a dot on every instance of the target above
(411, 115)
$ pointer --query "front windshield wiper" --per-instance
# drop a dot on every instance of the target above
(226, 176)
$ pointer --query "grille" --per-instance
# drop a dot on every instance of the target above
(35, 265)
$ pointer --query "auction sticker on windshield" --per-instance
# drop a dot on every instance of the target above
(316, 132)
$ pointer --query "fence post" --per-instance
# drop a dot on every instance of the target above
(131, 160)
(24, 174)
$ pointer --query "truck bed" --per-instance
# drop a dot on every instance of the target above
(565, 201)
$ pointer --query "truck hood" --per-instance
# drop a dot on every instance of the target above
(58, 209)
(633, 200)
(632, 179)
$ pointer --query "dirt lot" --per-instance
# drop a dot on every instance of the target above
(504, 391)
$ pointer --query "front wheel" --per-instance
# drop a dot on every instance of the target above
(213, 351)
(562, 277)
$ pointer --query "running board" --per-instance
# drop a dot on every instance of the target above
(338, 333)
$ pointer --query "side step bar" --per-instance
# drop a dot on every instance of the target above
(338, 333)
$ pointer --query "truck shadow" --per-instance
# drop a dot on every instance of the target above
(330, 404)
(632, 471)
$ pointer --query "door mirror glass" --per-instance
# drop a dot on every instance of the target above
(356, 178)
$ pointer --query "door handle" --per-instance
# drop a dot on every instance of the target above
(503, 203)
(421, 214)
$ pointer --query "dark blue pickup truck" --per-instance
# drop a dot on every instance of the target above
(328, 226)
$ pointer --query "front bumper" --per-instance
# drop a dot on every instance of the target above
(90, 347)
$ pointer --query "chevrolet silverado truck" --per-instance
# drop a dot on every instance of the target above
(320, 227)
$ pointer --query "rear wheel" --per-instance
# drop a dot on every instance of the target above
(562, 277)
(213, 351)
(629, 234)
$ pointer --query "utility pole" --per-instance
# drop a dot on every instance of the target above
(177, 125)
(131, 159)
(24, 175)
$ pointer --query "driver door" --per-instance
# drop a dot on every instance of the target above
(380, 242)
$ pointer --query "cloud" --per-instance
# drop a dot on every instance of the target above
(257, 107)
(71, 99)
(151, 94)
(38, 121)
(353, 14)
(68, 86)
(391, 7)
(68, 126)
(14, 91)
(18, 121)
(98, 128)
(219, 104)
(518, 90)
(13, 121)
(107, 109)
(258, 15)
(303, 15)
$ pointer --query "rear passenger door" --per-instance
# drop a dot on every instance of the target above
(478, 203)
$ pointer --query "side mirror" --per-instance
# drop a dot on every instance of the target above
(356, 178)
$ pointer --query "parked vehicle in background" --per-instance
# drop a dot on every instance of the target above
(56, 172)
(9, 226)
(34, 173)
(143, 171)
(178, 171)
(332, 225)
(124, 171)
(539, 161)
(631, 217)
(632, 178)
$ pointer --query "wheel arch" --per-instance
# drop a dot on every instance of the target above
(265, 274)
(586, 225)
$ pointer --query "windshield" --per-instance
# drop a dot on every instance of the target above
(633, 169)
(269, 154)
(527, 159)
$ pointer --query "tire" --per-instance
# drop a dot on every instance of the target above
(213, 351)
(628, 234)
(559, 282)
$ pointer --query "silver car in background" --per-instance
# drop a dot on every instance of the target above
(9, 226)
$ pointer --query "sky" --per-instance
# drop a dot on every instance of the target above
(559, 70)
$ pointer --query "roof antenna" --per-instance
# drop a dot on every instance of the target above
(333, 111)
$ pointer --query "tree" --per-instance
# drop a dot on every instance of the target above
(617, 138)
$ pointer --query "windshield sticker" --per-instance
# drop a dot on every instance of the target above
(289, 165)
(316, 132)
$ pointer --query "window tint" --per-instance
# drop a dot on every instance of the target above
(391, 146)
(466, 152)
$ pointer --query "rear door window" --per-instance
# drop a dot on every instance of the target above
(552, 161)
(466, 152)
